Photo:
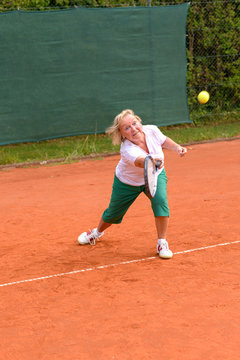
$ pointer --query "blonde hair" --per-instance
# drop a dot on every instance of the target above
(114, 129)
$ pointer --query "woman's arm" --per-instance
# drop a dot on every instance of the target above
(139, 162)
(171, 145)
(168, 144)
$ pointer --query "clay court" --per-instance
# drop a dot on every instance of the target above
(118, 299)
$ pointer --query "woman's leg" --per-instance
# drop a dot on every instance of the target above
(162, 226)
(122, 197)
(162, 244)
(161, 213)
(103, 225)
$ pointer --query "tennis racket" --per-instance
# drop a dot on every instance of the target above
(150, 175)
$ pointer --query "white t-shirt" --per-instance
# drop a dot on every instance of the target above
(126, 171)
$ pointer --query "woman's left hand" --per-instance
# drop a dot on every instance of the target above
(181, 150)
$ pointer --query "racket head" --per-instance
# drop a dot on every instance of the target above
(150, 176)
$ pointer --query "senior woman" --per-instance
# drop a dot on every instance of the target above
(137, 142)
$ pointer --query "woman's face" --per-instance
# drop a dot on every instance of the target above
(130, 128)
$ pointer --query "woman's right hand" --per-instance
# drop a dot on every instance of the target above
(159, 162)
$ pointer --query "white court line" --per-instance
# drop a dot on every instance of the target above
(117, 264)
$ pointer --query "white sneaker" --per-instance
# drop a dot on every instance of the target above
(89, 237)
(163, 249)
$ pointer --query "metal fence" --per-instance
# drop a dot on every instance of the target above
(213, 48)
(213, 51)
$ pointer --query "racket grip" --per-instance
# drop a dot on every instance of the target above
(158, 163)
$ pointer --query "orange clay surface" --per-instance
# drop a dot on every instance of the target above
(186, 308)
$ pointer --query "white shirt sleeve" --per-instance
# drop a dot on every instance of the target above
(156, 134)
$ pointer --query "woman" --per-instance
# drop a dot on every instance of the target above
(137, 142)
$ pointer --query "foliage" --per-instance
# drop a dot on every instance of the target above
(213, 54)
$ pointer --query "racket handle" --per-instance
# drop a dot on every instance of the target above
(158, 163)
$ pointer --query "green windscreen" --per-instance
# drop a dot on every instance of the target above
(70, 72)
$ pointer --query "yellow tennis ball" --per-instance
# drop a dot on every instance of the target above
(203, 97)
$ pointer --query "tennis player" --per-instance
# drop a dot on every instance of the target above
(137, 141)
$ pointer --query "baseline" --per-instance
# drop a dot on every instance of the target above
(114, 265)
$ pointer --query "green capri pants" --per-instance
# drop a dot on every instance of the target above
(123, 195)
